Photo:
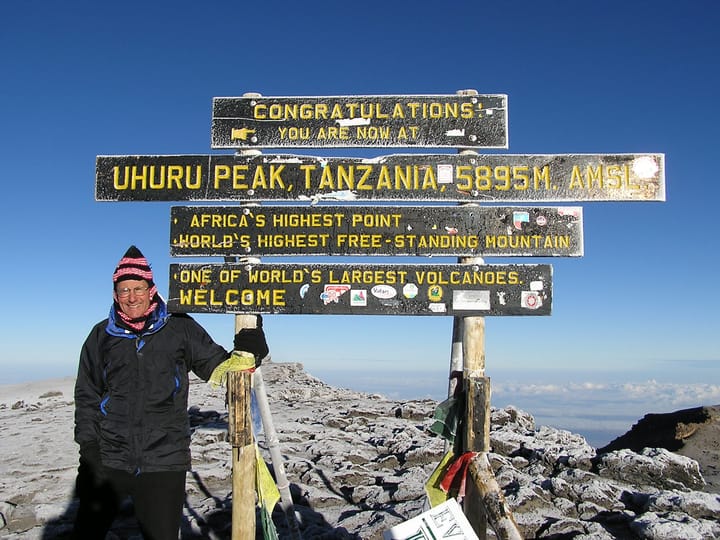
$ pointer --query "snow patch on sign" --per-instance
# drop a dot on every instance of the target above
(353, 122)
(283, 159)
(645, 167)
(345, 195)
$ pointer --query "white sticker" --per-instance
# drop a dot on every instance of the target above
(383, 292)
(445, 173)
(410, 290)
(530, 300)
(471, 300)
(358, 297)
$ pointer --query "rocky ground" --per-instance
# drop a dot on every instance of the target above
(357, 465)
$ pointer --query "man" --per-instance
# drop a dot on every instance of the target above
(131, 399)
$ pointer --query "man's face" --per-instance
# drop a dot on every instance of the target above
(132, 297)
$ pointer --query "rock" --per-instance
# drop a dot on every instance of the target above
(694, 433)
(666, 430)
(674, 526)
(357, 464)
(697, 505)
(653, 467)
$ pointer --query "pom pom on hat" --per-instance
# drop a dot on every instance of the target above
(133, 265)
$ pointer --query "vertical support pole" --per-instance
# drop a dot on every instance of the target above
(244, 453)
(273, 443)
(456, 359)
(477, 412)
(243, 515)
(477, 385)
(477, 395)
(239, 384)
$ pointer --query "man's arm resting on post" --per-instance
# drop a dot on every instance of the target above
(250, 348)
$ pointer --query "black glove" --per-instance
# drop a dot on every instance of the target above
(252, 340)
(90, 455)
(91, 473)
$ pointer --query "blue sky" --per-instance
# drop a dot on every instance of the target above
(82, 79)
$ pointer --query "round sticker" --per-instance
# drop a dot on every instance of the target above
(410, 290)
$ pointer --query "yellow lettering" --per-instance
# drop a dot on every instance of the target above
(366, 170)
(308, 169)
(383, 181)
(541, 174)
(429, 179)
(157, 177)
(467, 110)
(336, 113)
(233, 297)
(326, 179)
(195, 276)
(576, 178)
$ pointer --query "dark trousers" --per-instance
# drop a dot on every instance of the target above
(157, 497)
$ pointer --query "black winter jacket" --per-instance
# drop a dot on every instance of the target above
(131, 392)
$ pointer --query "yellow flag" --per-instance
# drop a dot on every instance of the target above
(435, 493)
(238, 361)
(267, 491)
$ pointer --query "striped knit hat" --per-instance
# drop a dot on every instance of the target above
(133, 265)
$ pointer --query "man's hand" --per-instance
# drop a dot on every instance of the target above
(91, 473)
(252, 340)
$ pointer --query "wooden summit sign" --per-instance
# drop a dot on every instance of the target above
(378, 230)
(458, 121)
(416, 177)
(373, 289)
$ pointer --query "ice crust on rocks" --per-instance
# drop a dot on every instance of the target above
(357, 464)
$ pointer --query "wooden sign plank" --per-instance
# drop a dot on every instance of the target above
(406, 177)
(371, 289)
(377, 230)
(458, 121)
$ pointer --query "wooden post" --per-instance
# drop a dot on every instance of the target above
(477, 417)
(498, 512)
(483, 497)
(476, 437)
(239, 384)
(477, 408)
(250, 321)
(477, 386)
